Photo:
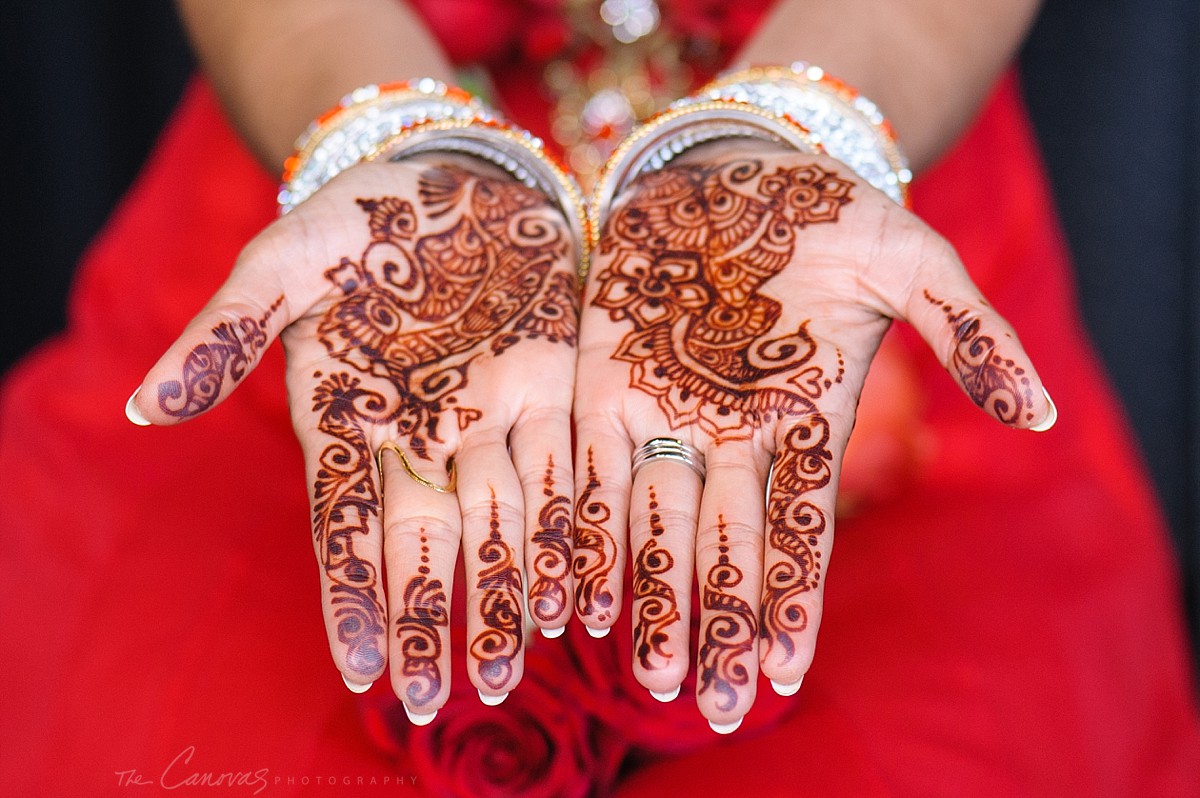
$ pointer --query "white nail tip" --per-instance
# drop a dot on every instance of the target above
(726, 728)
(132, 413)
(1051, 418)
(787, 689)
(417, 719)
(356, 688)
(492, 700)
(666, 697)
(553, 633)
(598, 633)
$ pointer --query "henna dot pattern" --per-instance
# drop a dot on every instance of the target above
(654, 597)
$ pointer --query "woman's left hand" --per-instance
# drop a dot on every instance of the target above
(736, 301)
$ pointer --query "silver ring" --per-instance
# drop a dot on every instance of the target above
(669, 449)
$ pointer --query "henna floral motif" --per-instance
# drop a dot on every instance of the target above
(595, 551)
(496, 646)
(419, 629)
(994, 382)
(233, 348)
(656, 605)
(730, 631)
(552, 563)
(802, 466)
(688, 253)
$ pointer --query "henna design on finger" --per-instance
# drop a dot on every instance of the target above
(595, 551)
(730, 631)
(495, 648)
(654, 597)
(552, 563)
(802, 465)
(345, 500)
(419, 629)
(690, 251)
(234, 348)
(995, 383)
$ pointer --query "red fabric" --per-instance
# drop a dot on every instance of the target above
(1008, 625)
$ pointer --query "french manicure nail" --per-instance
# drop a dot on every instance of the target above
(357, 688)
(492, 700)
(417, 719)
(787, 689)
(667, 697)
(726, 728)
(598, 633)
(1050, 418)
(132, 413)
(553, 633)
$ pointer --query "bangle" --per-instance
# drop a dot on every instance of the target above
(848, 126)
(686, 124)
(513, 149)
(341, 136)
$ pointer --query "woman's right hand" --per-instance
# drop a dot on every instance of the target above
(428, 312)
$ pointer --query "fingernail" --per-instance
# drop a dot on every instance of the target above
(553, 633)
(417, 719)
(357, 688)
(1050, 418)
(668, 697)
(492, 700)
(131, 411)
(598, 633)
(787, 689)
(726, 728)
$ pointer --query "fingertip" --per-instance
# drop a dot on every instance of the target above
(726, 728)
(668, 696)
(1051, 416)
(354, 687)
(492, 700)
(598, 633)
(785, 690)
(553, 633)
(418, 718)
(131, 410)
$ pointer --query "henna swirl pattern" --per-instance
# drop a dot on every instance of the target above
(656, 605)
(730, 631)
(419, 629)
(595, 551)
(496, 646)
(234, 348)
(552, 563)
(994, 383)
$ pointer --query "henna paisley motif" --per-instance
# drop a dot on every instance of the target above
(234, 347)
(729, 633)
(595, 551)
(419, 629)
(689, 253)
(496, 646)
(994, 382)
(552, 563)
(656, 605)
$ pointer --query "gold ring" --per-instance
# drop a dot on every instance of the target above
(408, 469)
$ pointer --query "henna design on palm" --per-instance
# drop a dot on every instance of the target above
(595, 551)
(552, 563)
(419, 629)
(730, 631)
(233, 348)
(656, 605)
(994, 383)
(495, 647)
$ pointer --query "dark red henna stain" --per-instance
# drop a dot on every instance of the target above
(552, 563)
(653, 597)
(595, 551)
(729, 632)
(994, 382)
(495, 648)
(234, 348)
(689, 252)
(802, 465)
(419, 630)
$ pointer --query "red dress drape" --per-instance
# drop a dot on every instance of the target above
(1006, 625)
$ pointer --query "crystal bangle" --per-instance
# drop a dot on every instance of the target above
(847, 125)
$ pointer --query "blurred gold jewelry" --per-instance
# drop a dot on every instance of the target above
(408, 469)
